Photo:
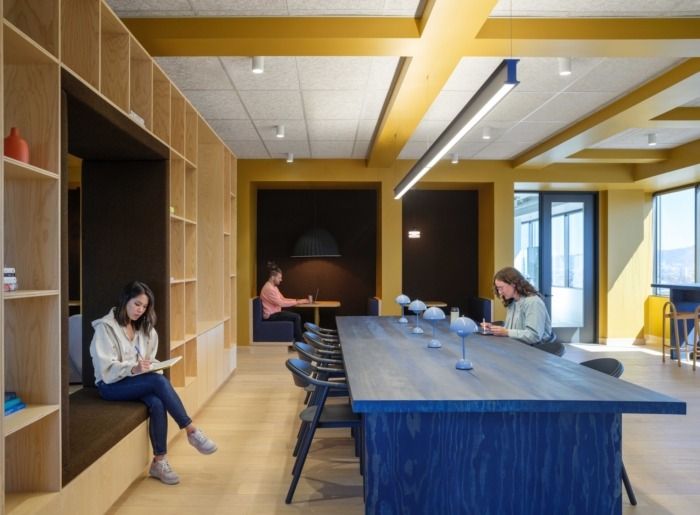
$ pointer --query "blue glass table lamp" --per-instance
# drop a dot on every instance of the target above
(403, 301)
(417, 306)
(434, 314)
(464, 326)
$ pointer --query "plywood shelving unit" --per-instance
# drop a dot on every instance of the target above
(85, 37)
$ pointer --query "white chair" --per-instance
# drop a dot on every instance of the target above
(75, 348)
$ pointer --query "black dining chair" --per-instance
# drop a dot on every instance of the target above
(321, 331)
(323, 347)
(556, 348)
(613, 367)
(318, 415)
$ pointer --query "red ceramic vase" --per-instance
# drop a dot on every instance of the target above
(16, 147)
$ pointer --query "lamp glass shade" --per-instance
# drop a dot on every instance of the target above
(316, 243)
(434, 313)
(403, 300)
(463, 326)
(417, 306)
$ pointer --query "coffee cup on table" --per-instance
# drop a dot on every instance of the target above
(311, 298)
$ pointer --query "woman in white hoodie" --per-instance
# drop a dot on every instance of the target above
(123, 348)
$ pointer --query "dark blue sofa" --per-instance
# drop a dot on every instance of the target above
(269, 331)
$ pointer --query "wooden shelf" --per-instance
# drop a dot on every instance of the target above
(177, 248)
(177, 312)
(174, 344)
(17, 170)
(227, 233)
(191, 134)
(190, 193)
(177, 121)
(38, 19)
(21, 419)
(178, 218)
(191, 222)
(177, 185)
(141, 83)
(177, 281)
(207, 325)
(189, 337)
(80, 39)
(29, 294)
(161, 104)
(115, 41)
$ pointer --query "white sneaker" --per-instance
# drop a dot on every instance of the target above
(199, 441)
(160, 469)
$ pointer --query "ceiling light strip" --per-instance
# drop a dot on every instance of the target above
(496, 87)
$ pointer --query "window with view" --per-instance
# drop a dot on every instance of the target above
(674, 237)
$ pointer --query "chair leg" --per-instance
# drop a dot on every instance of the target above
(628, 486)
(677, 338)
(300, 437)
(299, 463)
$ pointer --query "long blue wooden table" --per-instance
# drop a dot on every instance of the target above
(524, 432)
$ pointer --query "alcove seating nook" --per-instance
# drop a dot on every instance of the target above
(125, 227)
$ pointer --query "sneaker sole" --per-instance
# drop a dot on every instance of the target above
(212, 451)
(164, 481)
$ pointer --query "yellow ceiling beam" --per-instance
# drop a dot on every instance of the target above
(681, 157)
(618, 155)
(292, 36)
(678, 85)
(422, 76)
(587, 37)
(678, 118)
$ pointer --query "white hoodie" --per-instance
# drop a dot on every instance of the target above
(113, 354)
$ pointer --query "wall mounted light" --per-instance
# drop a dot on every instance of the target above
(565, 66)
(290, 157)
(455, 158)
(414, 234)
(496, 87)
(279, 131)
(486, 133)
(258, 64)
(651, 139)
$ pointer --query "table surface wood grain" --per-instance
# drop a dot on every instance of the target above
(392, 370)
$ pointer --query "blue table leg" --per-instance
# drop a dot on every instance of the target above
(492, 463)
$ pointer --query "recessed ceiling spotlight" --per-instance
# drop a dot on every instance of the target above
(290, 157)
(486, 133)
(565, 66)
(455, 158)
(279, 131)
(651, 139)
(258, 64)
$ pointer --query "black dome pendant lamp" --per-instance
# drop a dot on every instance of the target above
(315, 242)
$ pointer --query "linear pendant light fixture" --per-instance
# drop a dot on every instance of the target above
(496, 87)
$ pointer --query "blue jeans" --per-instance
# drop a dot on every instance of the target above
(156, 392)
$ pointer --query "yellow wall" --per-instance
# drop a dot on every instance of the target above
(628, 264)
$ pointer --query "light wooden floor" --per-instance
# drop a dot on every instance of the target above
(253, 419)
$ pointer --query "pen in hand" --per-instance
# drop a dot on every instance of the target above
(142, 364)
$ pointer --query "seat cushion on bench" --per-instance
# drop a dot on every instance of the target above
(96, 425)
(267, 330)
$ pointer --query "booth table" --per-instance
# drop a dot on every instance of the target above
(523, 432)
(319, 304)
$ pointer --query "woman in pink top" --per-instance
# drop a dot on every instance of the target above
(273, 301)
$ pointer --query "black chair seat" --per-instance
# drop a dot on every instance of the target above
(332, 414)
(556, 348)
(609, 366)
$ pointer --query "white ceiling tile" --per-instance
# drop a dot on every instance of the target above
(331, 149)
(447, 105)
(528, 132)
(471, 73)
(569, 107)
(638, 138)
(280, 105)
(517, 105)
(382, 72)
(428, 130)
(240, 7)
(373, 104)
(333, 73)
(542, 73)
(335, 7)
(213, 105)
(693, 103)
(592, 8)
(498, 150)
(248, 149)
(300, 149)
(401, 7)
(365, 129)
(154, 14)
(149, 5)
(195, 72)
(468, 149)
(280, 73)
(332, 130)
(294, 130)
(239, 130)
(620, 75)
(361, 149)
(413, 150)
(497, 130)
(332, 105)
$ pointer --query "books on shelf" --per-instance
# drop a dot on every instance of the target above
(9, 279)
(13, 403)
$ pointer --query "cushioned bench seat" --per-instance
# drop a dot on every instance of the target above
(95, 427)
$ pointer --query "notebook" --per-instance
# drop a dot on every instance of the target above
(160, 365)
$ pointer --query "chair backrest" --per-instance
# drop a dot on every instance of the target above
(373, 304)
(556, 348)
(480, 308)
(75, 348)
(611, 366)
(302, 372)
(316, 341)
(305, 351)
(257, 309)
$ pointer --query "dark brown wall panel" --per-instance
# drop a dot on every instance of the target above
(443, 263)
(350, 216)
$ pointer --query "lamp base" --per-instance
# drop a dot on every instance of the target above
(464, 364)
(403, 320)
(417, 330)
(434, 344)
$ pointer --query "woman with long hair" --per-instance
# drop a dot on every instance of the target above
(123, 348)
(527, 318)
